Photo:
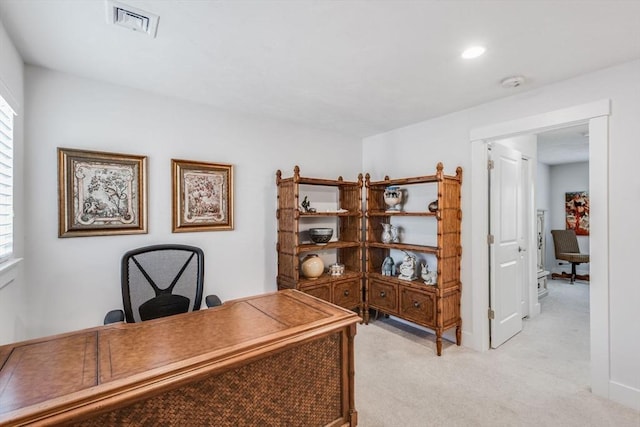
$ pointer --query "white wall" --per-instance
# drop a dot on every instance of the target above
(416, 149)
(565, 178)
(13, 294)
(543, 200)
(75, 281)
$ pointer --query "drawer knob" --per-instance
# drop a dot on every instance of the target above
(416, 304)
(346, 292)
(383, 294)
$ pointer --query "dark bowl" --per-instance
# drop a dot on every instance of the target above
(320, 235)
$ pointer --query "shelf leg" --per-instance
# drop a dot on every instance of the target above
(439, 342)
(458, 335)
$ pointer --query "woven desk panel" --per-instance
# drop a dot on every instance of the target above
(301, 386)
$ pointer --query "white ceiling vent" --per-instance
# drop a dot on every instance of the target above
(132, 18)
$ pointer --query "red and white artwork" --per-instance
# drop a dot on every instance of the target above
(577, 212)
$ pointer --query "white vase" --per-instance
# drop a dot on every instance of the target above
(389, 233)
(312, 266)
(393, 198)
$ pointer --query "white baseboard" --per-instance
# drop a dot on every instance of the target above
(625, 395)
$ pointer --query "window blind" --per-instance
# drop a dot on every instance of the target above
(6, 180)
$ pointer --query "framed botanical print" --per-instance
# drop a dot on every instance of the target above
(202, 196)
(101, 193)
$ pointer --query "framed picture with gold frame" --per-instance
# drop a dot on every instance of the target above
(101, 193)
(202, 196)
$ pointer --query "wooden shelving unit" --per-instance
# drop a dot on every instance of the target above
(436, 307)
(345, 290)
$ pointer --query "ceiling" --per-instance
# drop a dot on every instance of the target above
(566, 145)
(356, 67)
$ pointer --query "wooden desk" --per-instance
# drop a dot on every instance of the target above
(278, 359)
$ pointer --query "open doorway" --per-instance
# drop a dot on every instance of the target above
(562, 173)
(529, 174)
(596, 115)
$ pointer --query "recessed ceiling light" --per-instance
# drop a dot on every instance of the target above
(473, 52)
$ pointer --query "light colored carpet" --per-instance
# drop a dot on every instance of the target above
(538, 378)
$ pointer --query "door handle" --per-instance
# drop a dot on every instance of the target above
(521, 249)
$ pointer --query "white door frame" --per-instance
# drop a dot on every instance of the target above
(596, 115)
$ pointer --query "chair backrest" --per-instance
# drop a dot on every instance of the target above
(565, 242)
(161, 280)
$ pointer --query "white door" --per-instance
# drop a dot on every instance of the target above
(524, 216)
(506, 274)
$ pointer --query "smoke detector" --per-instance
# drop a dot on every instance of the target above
(132, 18)
(511, 82)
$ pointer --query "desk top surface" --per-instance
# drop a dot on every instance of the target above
(121, 356)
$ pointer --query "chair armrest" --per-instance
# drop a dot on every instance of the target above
(114, 316)
(212, 301)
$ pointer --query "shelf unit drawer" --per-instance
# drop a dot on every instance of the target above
(383, 296)
(419, 307)
(322, 291)
(347, 293)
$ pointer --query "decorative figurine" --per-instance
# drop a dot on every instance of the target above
(429, 277)
(306, 205)
(408, 267)
(389, 233)
(388, 267)
(393, 198)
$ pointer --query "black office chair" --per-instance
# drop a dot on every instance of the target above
(159, 281)
(565, 244)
